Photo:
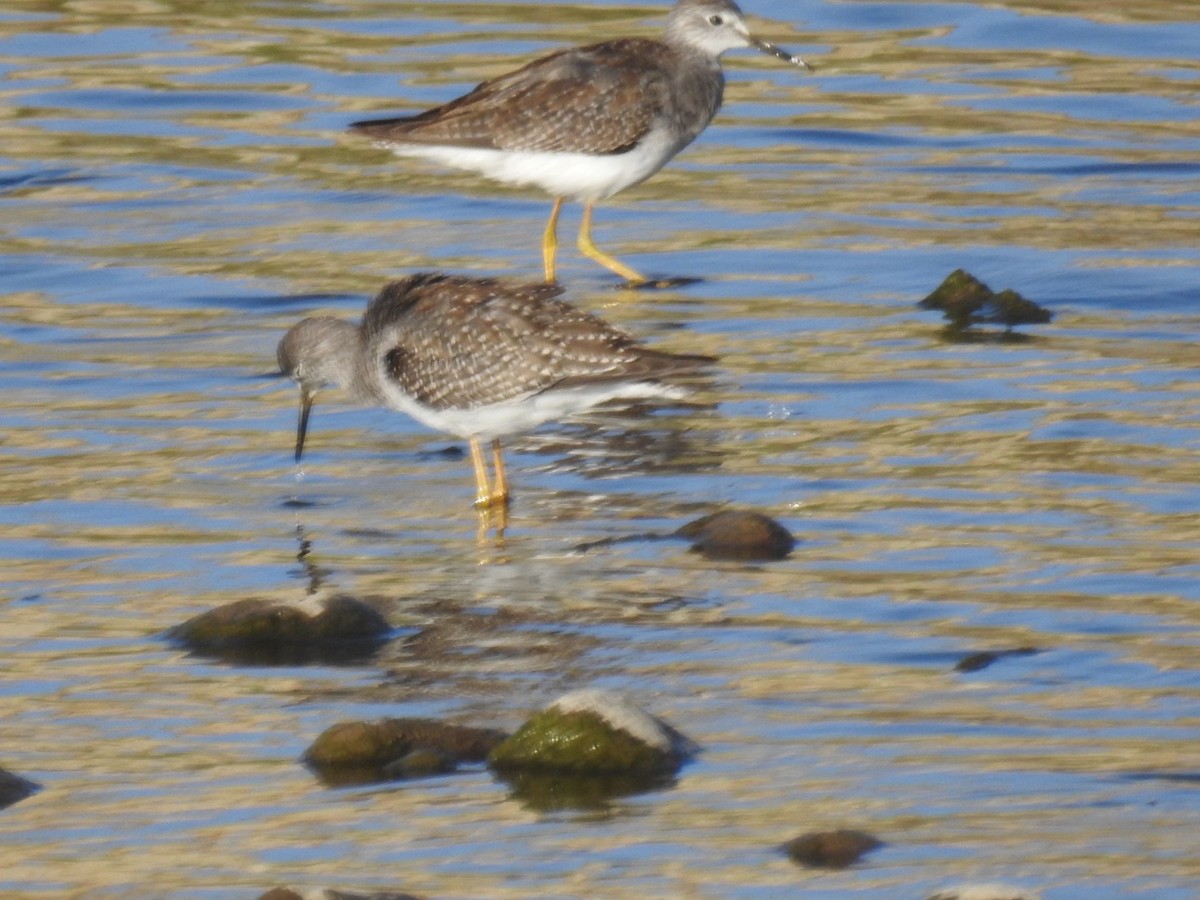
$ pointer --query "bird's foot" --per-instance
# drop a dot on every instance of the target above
(485, 502)
(493, 516)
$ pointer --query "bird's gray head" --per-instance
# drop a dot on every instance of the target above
(318, 351)
(714, 26)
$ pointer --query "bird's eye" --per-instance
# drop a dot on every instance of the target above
(715, 20)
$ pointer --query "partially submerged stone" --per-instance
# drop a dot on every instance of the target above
(831, 849)
(966, 302)
(986, 892)
(593, 732)
(391, 749)
(739, 535)
(283, 893)
(342, 629)
(14, 788)
(420, 762)
(553, 792)
(974, 662)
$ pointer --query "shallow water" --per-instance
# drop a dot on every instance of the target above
(176, 189)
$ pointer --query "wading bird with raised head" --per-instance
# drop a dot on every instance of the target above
(586, 122)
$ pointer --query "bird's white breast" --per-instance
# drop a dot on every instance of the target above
(580, 176)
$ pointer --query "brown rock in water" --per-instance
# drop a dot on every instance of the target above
(739, 535)
(14, 788)
(1008, 308)
(420, 763)
(363, 752)
(831, 849)
(267, 633)
(965, 301)
(959, 296)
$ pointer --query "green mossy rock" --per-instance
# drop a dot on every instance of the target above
(593, 733)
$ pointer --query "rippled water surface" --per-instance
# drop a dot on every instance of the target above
(176, 188)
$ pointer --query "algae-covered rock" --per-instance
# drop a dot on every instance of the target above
(342, 629)
(965, 301)
(593, 732)
(739, 535)
(831, 849)
(14, 788)
(551, 792)
(390, 749)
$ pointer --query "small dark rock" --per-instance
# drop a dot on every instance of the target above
(1008, 308)
(738, 535)
(262, 632)
(959, 296)
(831, 849)
(366, 752)
(976, 661)
(965, 301)
(14, 788)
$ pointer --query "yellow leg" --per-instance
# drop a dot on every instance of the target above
(500, 494)
(591, 251)
(483, 494)
(550, 241)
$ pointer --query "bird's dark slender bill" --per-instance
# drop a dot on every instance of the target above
(306, 405)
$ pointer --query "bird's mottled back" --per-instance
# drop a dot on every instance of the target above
(452, 342)
(477, 358)
(598, 99)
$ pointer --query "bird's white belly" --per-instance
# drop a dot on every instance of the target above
(581, 176)
(503, 419)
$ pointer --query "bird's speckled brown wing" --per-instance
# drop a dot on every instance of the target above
(598, 99)
(453, 342)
